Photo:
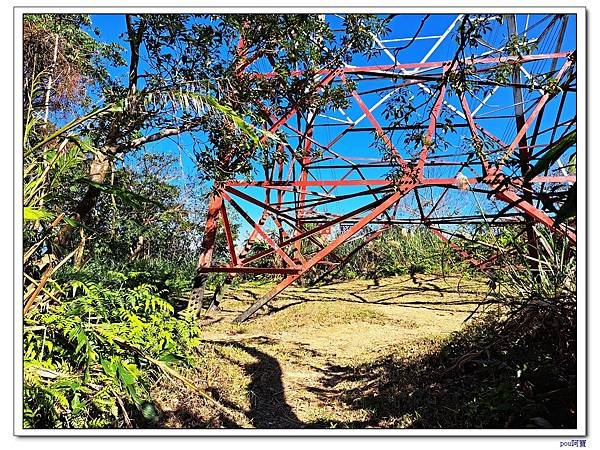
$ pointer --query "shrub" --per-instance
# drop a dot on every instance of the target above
(89, 360)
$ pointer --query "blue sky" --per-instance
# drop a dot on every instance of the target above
(358, 144)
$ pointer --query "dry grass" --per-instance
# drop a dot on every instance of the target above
(283, 368)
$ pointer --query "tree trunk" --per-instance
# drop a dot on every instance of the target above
(99, 170)
(206, 254)
(49, 83)
(101, 164)
(135, 253)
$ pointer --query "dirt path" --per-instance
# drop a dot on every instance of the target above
(297, 364)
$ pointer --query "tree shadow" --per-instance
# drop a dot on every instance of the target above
(388, 301)
(462, 384)
(359, 297)
(189, 418)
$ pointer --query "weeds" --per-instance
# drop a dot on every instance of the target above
(90, 359)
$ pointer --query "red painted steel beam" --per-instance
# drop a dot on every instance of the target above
(208, 240)
(276, 214)
(317, 229)
(260, 231)
(206, 252)
(351, 165)
(304, 210)
(323, 253)
(228, 236)
(381, 182)
(463, 254)
(424, 65)
(293, 111)
(253, 235)
(512, 198)
(275, 218)
(254, 270)
(352, 253)
(267, 207)
(395, 153)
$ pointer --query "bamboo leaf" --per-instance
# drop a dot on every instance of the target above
(31, 214)
(129, 197)
(237, 120)
(71, 222)
(71, 125)
(552, 154)
(569, 207)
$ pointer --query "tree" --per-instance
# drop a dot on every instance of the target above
(144, 216)
(63, 61)
(178, 66)
(181, 65)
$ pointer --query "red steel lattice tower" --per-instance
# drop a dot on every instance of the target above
(474, 150)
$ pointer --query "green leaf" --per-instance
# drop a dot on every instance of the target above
(552, 154)
(70, 125)
(129, 197)
(117, 107)
(82, 340)
(239, 122)
(31, 214)
(76, 404)
(109, 367)
(569, 207)
(114, 410)
(71, 222)
(170, 358)
(125, 375)
(149, 411)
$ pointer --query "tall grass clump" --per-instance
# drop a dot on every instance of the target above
(525, 352)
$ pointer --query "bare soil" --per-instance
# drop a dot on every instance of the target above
(296, 362)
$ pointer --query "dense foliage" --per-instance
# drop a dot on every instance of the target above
(401, 251)
(90, 359)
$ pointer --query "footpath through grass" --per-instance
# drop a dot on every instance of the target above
(315, 355)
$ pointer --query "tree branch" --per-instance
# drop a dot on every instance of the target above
(135, 38)
(163, 134)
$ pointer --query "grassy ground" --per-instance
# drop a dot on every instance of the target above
(314, 357)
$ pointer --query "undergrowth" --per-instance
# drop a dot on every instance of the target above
(515, 367)
(519, 373)
(89, 360)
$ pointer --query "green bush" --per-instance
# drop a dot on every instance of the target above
(89, 360)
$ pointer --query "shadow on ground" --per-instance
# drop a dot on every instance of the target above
(268, 405)
(457, 385)
(464, 384)
(520, 374)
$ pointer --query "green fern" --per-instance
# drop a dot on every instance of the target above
(79, 364)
